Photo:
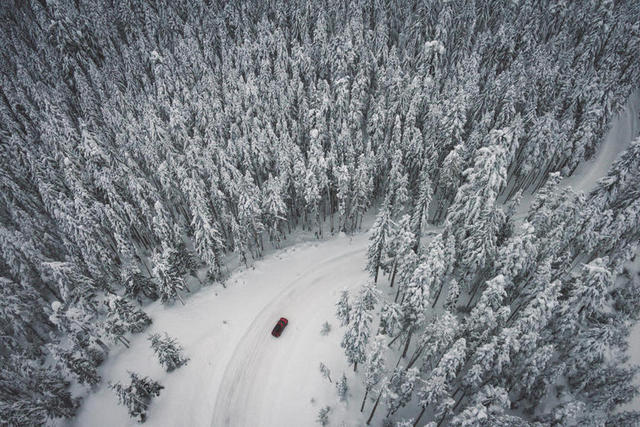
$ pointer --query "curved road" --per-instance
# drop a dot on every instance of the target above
(263, 371)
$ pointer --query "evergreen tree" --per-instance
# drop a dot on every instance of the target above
(32, 394)
(343, 388)
(399, 249)
(399, 389)
(326, 328)
(357, 333)
(166, 272)
(132, 319)
(323, 416)
(137, 395)
(325, 372)
(137, 285)
(374, 367)
(343, 308)
(168, 351)
(390, 319)
(378, 239)
(77, 363)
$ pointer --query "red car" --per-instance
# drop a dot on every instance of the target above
(277, 330)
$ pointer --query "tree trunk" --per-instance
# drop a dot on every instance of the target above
(459, 401)
(406, 345)
(435, 301)
(442, 419)
(415, 423)
(393, 275)
(375, 406)
(415, 356)
(473, 295)
(366, 392)
(145, 266)
(394, 340)
(397, 294)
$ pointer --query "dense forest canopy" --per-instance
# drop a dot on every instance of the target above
(140, 141)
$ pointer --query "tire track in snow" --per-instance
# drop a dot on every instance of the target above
(251, 382)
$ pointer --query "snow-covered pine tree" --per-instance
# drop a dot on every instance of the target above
(121, 318)
(326, 328)
(378, 238)
(398, 180)
(137, 285)
(162, 225)
(32, 393)
(435, 390)
(356, 336)
(326, 372)
(390, 319)
(274, 209)
(437, 336)
(450, 177)
(137, 395)
(184, 262)
(453, 293)
(487, 407)
(82, 327)
(19, 319)
(374, 367)
(399, 389)
(323, 416)
(168, 351)
(415, 301)
(343, 388)
(169, 282)
(343, 308)
(397, 250)
(369, 295)
(76, 363)
(420, 214)
(473, 217)
(134, 319)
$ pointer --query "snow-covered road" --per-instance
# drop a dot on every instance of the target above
(265, 379)
(238, 373)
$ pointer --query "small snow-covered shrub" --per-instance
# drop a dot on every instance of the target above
(326, 328)
(323, 416)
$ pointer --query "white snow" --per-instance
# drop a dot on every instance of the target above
(625, 127)
(238, 373)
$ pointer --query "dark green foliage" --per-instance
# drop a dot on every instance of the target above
(137, 395)
(78, 363)
(137, 285)
(31, 393)
(123, 318)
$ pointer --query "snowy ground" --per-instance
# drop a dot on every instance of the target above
(238, 374)
(624, 129)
